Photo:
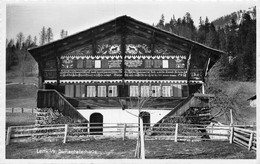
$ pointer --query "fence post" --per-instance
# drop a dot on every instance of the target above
(231, 135)
(176, 133)
(250, 141)
(124, 131)
(32, 110)
(65, 133)
(8, 137)
(12, 110)
(22, 110)
(142, 138)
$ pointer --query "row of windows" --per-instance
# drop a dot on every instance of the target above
(134, 91)
(104, 63)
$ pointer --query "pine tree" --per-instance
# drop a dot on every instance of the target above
(20, 40)
(43, 36)
(49, 35)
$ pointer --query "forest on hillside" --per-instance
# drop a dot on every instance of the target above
(238, 40)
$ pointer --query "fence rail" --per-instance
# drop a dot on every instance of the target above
(176, 132)
(243, 137)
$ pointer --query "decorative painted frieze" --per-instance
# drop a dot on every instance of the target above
(133, 63)
(91, 73)
(67, 63)
(107, 49)
(140, 49)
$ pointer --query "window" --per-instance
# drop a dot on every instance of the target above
(80, 91)
(166, 91)
(134, 91)
(165, 63)
(69, 90)
(91, 91)
(112, 91)
(157, 63)
(148, 63)
(185, 91)
(97, 63)
(156, 91)
(88, 64)
(172, 63)
(80, 63)
(102, 91)
(177, 92)
(104, 63)
(145, 91)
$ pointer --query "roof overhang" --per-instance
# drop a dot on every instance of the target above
(115, 26)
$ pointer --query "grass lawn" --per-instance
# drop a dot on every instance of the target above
(19, 119)
(118, 149)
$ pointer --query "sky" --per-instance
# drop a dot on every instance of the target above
(74, 16)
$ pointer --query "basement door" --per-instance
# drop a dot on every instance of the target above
(96, 124)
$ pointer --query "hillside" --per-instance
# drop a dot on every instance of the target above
(237, 16)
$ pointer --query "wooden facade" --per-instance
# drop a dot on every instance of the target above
(124, 58)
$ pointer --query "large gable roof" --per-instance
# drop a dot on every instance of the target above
(116, 26)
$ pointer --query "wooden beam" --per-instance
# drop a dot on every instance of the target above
(188, 68)
(161, 41)
(153, 43)
(94, 43)
(143, 26)
(58, 68)
(123, 49)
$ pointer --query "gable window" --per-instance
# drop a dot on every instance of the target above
(88, 63)
(97, 63)
(104, 63)
(165, 63)
(172, 63)
(80, 63)
(157, 63)
(148, 63)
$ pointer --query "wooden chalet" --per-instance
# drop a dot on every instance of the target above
(90, 75)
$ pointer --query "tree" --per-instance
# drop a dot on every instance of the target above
(49, 35)
(28, 42)
(43, 36)
(20, 40)
(161, 23)
(35, 40)
(63, 34)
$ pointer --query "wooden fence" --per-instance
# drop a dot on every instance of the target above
(176, 132)
(243, 137)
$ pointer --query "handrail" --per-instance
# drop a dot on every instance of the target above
(181, 104)
(56, 101)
